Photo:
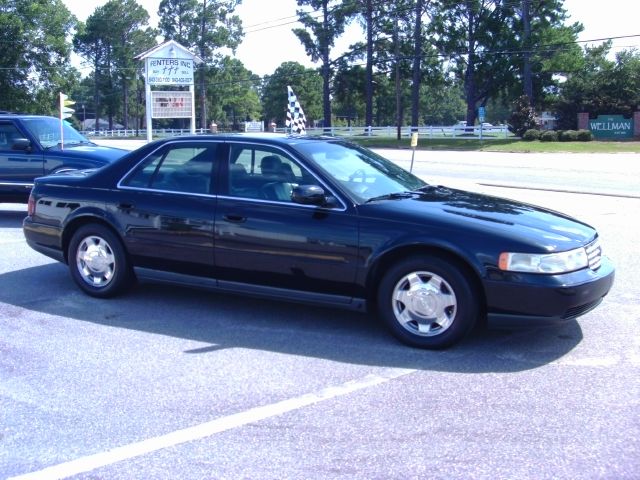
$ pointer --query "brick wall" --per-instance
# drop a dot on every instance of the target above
(583, 121)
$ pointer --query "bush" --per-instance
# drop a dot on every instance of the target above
(585, 135)
(549, 136)
(568, 136)
(531, 135)
(523, 117)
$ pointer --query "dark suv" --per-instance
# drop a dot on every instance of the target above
(33, 145)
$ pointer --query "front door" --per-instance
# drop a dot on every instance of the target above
(18, 168)
(264, 239)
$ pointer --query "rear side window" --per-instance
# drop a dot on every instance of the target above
(183, 168)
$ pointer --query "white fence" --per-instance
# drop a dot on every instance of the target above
(454, 132)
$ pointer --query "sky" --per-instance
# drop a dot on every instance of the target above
(269, 41)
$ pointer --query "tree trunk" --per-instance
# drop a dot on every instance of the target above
(125, 109)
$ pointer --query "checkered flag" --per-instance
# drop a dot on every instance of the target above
(295, 116)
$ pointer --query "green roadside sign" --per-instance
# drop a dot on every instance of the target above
(611, 126)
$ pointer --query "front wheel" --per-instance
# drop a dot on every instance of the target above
(427, 302)
(97, 262)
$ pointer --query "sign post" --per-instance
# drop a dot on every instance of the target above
(65, 112)
(414, 144)
(169, 64)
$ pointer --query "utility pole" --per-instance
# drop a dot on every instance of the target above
(203, 76)
(417, 55)
(526, 73)
(368, 120)
(396, 41)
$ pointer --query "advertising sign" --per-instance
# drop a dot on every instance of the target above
(171, 104)
(169, 71)
(611, 127)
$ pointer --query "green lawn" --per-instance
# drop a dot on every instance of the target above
(504, 145)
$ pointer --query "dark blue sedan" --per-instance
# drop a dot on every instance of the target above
(321, 221)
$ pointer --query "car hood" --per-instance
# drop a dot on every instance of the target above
(468, 212)
(86, 150)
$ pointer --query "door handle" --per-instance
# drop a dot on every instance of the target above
(234, 218)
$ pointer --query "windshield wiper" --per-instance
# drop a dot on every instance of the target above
(71, 143)
(393, 196)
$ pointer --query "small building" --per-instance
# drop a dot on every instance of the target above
(547, 121)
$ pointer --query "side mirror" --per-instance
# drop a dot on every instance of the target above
(22, 144)
(309, 195)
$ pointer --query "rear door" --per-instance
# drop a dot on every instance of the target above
(167, 209)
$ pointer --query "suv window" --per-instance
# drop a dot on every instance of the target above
(176, 168)
(8, 134)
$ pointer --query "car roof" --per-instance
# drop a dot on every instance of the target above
(271, 138)
(5, 114)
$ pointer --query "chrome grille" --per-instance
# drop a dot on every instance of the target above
(594, 253)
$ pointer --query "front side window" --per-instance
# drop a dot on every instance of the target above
(264, 173)
(8, 134)
(176, 168)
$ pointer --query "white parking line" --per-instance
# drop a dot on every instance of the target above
(92, 462)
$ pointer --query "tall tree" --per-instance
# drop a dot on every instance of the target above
(35, 53)
(178, 21)
(306, 84)
(91, 41)
(208, 26)
(131, 35)
(232, 93)
(600, 86)
(112, 36)
(549, 48)
(478, 36)
(219, 28)
(323, 26)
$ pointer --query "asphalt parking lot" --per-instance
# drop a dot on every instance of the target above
(174, 383)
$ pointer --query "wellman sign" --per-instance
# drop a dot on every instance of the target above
(611, 126)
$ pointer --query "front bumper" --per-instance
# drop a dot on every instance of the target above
(515, 299)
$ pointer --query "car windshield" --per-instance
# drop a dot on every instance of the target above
(47, 131)
(363, 173)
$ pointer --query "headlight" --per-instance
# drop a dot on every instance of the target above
(561, 262)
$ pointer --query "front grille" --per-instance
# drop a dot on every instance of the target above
(594, 253)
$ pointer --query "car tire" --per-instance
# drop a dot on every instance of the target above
(427, 302)
(98, 262)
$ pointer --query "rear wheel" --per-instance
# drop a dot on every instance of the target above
(427, 302)
(98, 262)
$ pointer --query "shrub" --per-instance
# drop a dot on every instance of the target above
(568, 136)
(549, 136)
(531, 135)
(523, 117)
(585, 135)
